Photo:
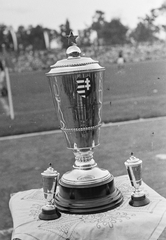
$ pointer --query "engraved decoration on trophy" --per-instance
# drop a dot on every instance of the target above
(50, 179)
(76, 85)
(134, 170)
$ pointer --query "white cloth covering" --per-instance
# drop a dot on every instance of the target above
(122, 223)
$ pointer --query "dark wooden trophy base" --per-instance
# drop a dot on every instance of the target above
(139, 201)
(49, 214)
(88, 199)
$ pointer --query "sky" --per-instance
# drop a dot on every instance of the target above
(53, 13)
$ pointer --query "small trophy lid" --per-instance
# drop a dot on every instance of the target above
(133, 159)
(50, 172)
(74, 61)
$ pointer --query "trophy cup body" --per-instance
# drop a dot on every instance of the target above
(76, 85)
(78, 99)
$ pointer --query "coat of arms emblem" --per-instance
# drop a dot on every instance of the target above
(84, 86)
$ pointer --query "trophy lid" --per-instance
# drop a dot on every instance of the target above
(133, 160)
(49, 172)
(74, 61)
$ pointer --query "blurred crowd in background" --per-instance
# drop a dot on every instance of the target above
(36, 48)
(43, 59)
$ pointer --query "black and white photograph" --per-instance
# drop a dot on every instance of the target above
(83, 120)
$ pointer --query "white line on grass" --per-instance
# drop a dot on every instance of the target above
(59, 131)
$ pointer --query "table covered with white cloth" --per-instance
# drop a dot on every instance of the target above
(123, 223)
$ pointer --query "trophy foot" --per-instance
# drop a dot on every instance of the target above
(139, 201)
(49, 214)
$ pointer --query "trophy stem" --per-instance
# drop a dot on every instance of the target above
(84, 159)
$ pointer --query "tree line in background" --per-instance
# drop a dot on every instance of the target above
(100, 32)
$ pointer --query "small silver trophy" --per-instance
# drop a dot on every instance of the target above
(134, 170)
(50, 180)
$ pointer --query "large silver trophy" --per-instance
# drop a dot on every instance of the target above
(77, 87)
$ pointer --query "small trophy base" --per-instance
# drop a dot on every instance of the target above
(139, 201)
(88, 196)
(49, 214)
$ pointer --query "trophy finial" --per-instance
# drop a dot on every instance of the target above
(72, 38)
(73, 50)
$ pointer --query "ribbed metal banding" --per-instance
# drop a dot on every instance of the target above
(74, 64)
(80, 129)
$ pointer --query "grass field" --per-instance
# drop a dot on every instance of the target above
(137, 92)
